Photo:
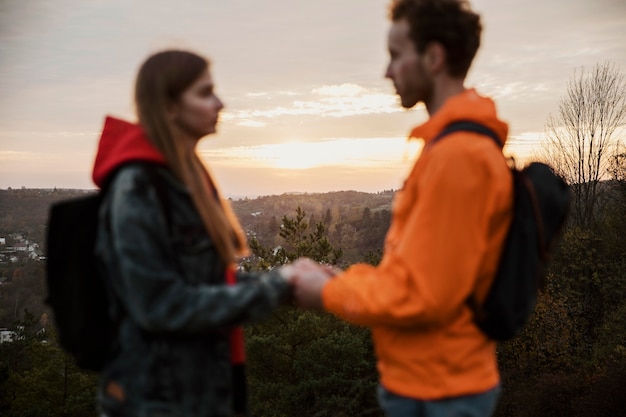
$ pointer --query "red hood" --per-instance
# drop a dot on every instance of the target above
(122, 142)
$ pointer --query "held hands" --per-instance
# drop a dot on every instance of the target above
(307, 279)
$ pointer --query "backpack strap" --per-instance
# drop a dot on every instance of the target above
(468, 126)
(474, 127)
(519, 177)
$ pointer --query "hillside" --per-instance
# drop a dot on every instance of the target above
(346, 215)
(355, 222)
(25, 211)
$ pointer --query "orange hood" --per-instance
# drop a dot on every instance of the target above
(467, 106)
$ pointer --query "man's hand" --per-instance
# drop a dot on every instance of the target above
(308, 280)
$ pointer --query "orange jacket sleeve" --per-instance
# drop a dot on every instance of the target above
(434, 248)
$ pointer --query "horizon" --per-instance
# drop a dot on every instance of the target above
(307, 107)
(228, 197)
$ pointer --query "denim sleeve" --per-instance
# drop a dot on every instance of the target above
(148, 283)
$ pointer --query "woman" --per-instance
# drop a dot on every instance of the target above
(168, 244)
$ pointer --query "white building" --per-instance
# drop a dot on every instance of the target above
(20, 247)
(6, 335)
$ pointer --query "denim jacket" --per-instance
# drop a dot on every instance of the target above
(170, 295)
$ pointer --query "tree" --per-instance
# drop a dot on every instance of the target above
(581, 134)
(307, 363)
(328, 218)
(617, 171)
(298, 242)
(373, 257)
(310, 364)
(294, 232)
(38, 378)
(273, 226)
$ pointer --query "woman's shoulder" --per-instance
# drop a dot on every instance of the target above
(137, 192)
(137, 176)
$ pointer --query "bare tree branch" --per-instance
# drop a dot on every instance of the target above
(579, 138)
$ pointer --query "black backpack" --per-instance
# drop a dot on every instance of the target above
(77, 293)
(540, 207)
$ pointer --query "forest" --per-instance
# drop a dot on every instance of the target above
(570, 359)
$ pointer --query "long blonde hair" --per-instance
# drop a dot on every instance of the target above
(161, 80)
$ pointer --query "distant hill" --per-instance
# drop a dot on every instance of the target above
(355, 221)
(25, 211)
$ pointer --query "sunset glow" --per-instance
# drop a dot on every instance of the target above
(307, 106)
(298, 155)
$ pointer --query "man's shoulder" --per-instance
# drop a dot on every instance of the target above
(467, 145)
(467, 156)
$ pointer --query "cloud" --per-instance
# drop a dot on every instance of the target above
(18, 156)
(342, 90)
(531, 48)
(524, 146)
(286, 70)
(327, 101)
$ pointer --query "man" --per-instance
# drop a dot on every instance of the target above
(449, 224)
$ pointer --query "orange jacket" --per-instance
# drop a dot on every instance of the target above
(449, 223)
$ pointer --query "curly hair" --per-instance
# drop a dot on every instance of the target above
(451, 23)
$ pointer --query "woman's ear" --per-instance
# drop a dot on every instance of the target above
(172, 109)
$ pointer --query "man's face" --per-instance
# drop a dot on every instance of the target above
(406, 67)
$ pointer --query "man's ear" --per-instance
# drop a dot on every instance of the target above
(435, 58)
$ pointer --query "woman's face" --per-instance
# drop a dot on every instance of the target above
(196, 112)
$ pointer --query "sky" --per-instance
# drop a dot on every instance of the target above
(307, 107)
